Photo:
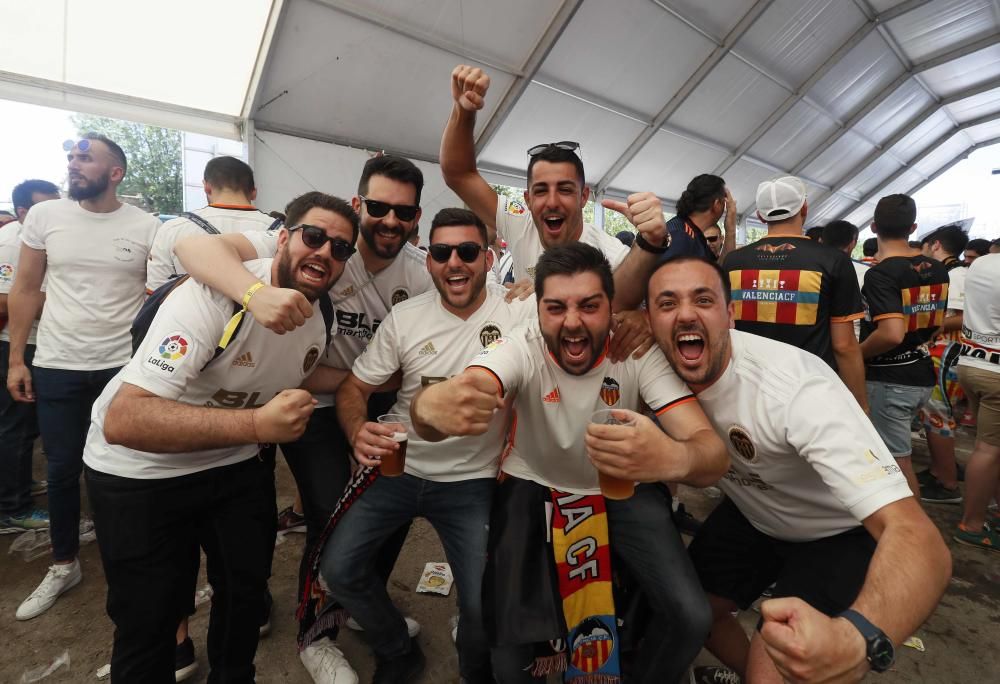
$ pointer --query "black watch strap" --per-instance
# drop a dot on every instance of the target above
(649, 247)
(879, 650)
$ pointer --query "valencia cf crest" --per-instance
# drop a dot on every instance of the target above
(400, 295)
(593, 642)
(489, 334)
(783, 247)
(740, 439)
(610, 391)
(311, 356)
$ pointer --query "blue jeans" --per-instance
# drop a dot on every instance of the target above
(18, 432)
(460, 513)
(892, 408)
(65, 398)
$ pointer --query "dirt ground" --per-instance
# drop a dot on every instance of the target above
(960, 637)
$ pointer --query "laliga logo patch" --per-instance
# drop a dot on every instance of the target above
(516, 208)
(489, 334)
(610, 391)
(311, 357)
(740, 439)
(491, 346)
(593, 643)
(400, 295)
(6, 270)
(170, 352)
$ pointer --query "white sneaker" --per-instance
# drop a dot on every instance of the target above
(326, 664)
(58, 580)
(412, 626)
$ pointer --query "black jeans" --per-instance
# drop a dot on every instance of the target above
(149, 531)
(18, 432)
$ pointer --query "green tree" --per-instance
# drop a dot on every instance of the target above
(154, 159)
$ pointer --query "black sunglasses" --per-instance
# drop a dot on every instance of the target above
(567, 145)
(712, 238)
(404, 212)
(315, 237)
(467, 251)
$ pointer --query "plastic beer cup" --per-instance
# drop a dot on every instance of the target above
(392, 465)
(613, 487)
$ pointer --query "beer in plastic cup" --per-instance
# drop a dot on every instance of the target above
(392, 465)
(613, 487)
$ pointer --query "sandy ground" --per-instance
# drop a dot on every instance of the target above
(960, 637)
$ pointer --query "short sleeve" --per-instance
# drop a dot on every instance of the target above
(845, 301)
(506, 360)
(161, 258)
(510, 216)
(883, 295)
(843, 448)
(381, 358)
(614, 249)
(956, 288)
(32, 232)
(8, 265)
(180, 341)
(659, 386)
(264, 241)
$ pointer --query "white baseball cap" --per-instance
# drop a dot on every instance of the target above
(780, 199)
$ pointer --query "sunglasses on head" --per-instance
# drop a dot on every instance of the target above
(376, 209)
(567, 145)
(467, 251)
(315, 237)
(83, 145)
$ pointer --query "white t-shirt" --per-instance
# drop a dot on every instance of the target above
(361, 300)
(10, 252)
(514, 224)
(96, 276)
(552, 407)
(162, 262)
(981, 322)
(956, 288)
(430, 344)
(806, 461)
(860, 270)
(181, 340)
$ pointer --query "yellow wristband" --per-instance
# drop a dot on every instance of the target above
(251, 292)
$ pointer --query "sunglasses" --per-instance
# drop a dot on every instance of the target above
(315, 237)
(567, 145)
(376, 209)
(467, 251)
(83, 145)
(712, 238)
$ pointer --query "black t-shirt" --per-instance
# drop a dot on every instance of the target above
(914, 289)
(686, 239)
(790, 289)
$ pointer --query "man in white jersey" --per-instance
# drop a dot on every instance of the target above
(979, 373)
(552, 211)
(230, 189)
(428, 338)
(91, 250)
(816, 503)
(18, 420)
(385, 270)
(174, 457)
(555, 373)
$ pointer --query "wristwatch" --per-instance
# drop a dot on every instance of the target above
(881, 654)
(644, 244)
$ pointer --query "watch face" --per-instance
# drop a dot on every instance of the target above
(882, 654)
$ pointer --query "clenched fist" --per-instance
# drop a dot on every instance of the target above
(463, 405)
(284, 418)
(280, 309)
(468, 87)
(644, 211)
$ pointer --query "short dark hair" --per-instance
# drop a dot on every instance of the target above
(814, 233)
(116, 151)
(952, 238)
(453, 216)
(727, 290)
(839, 234)
(626, 237)
(700, 193)
(980, 246)
(399, 169)
(230, 173)
(298, 207)
(894, 216)
(869, 247)
(576, 257)
(23, 192)
(558, 155)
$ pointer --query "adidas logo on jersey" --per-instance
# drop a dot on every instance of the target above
(245, 360)
(552, 397)
(427, 350)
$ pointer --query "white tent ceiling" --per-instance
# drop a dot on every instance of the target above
(858, 97)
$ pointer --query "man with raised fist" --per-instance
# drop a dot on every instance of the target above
(175, 454)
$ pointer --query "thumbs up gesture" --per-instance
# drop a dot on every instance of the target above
(644, 211)
(468, 87)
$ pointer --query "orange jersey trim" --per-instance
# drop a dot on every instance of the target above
(233, 206)
(493, 375)
(848, 319)
(675, 403)
(889, 315)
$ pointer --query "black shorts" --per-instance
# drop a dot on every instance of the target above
(736, 561)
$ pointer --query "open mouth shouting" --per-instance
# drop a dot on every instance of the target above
(690, 348)
(552, 224)
(576, 351)
(314, 273)
(457, 284)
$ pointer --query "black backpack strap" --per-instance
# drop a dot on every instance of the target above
(277, 224)
(200, 222)
(147, 312)
(326, 308)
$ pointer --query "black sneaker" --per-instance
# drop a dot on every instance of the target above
(924, 477)
(265, 625)
(184, 663)
(401, 669)
(685, 522)
(935, 492)
(714, 675)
